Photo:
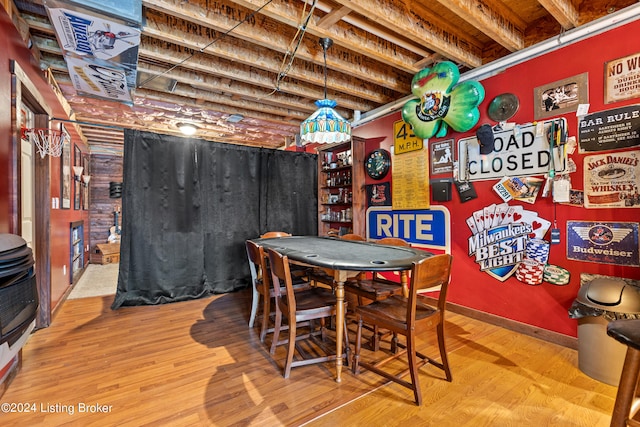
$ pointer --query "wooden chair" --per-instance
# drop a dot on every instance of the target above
(409, 317)
(351, 236)
(378, 287)
(393, 241)
(627, 405)
(309, 305)
(255, 294)
(270, 234)
(262, 286)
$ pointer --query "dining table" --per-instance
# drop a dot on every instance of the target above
(343, 258)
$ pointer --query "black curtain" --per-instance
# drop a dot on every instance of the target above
(189, 205)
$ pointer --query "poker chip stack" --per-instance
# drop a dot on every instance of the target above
(556, 275)
(538, 250)
(530, 272)
(534, 268)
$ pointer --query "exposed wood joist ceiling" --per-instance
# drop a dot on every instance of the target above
(224, 58)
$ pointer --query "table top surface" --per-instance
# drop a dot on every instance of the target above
(341, 254)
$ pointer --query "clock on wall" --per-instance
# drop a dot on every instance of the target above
(377, 163)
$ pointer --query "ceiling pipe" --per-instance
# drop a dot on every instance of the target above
(615, 20)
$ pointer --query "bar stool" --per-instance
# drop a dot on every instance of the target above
(627, 404)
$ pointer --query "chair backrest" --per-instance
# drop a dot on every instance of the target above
(270, 234)
(352, 236)
(258, 265)
(428, 273)
(390, 241)
(281, 278)
(393, 241)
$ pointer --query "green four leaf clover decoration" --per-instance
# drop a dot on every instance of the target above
(442, 102)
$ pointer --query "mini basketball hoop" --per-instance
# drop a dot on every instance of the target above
(48, 141)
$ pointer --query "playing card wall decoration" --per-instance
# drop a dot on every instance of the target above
(508, 240)
(442, 102)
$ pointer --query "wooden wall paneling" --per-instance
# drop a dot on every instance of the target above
(105, 168)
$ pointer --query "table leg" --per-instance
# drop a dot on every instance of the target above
(404, 282)
(339, 277)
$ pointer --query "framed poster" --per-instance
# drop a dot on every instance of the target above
(561, 97)
(621, 79)
(77, 161)
(379, 194)
(65, 169)
(442, 157)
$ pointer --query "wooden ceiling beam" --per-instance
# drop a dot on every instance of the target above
(245, 134)
(218, 112)
(210, 100)
(212, 84)
(271, 35)
(371, 44)
(333, 17)
(197, 89)
(253, 84)
(153, 114)
(427, 61)
(563, 11)
(240, 53)
(491, 19)
(429, 30)
(187, 99)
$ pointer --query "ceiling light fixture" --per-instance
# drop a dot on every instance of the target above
(187, 128)
(325, 125)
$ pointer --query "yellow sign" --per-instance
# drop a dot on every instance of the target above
(403, 138)
(410, 181)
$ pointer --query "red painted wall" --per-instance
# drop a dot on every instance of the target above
(12, 47)
(544, 306)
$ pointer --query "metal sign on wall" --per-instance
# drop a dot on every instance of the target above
(610, 130)
(428, 228)
(622, 78)
(522, 151)
(612, 180)
(403, 138)
(603, 242)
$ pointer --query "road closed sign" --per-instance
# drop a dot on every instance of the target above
(521, 151)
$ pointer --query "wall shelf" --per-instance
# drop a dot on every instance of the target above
(340, 194)
(76, 259)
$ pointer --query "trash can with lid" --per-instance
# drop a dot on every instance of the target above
(600, 301)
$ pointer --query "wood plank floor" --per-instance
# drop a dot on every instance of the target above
(197, 363)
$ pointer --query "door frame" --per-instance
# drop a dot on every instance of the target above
(23, 90)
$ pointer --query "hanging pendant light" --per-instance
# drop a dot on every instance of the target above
(325, 125)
